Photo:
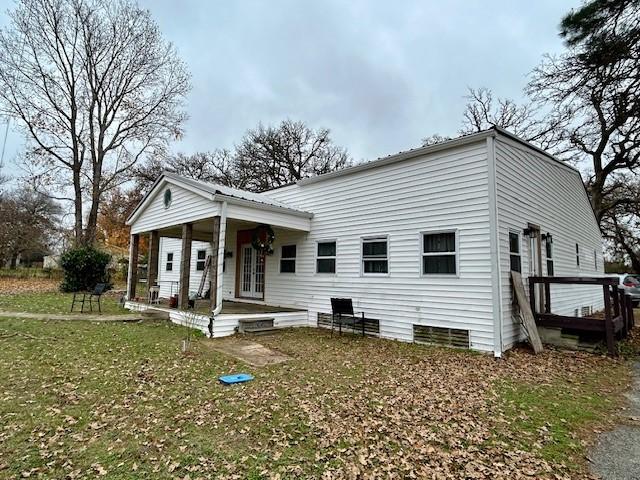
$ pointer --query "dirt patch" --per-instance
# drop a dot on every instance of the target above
(249, 352)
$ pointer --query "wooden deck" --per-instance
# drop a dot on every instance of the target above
(614, 323)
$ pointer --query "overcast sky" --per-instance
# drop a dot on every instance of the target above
(381, 75)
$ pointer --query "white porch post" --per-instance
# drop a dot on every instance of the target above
(132, 277)
(219, 271)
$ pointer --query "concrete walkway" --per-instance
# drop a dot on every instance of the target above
(93, 317)
(616, 456)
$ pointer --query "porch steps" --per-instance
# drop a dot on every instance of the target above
(256, 326)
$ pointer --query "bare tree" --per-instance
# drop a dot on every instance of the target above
(269, 157)
(95, 89)
(29, 224)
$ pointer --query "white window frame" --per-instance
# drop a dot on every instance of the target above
(370, 238)
(204, 260)
(519, 254)
(295, 259)
(549, 247)
(167, 261)
(335, 257)
(456, 253)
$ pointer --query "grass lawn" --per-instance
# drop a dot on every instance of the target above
(55, 302)
(83, 400)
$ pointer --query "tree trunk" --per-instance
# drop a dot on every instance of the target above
(77, 188)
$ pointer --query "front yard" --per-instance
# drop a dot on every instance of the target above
(113, 400)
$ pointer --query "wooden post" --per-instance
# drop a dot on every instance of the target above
(215, 242)
(616, 301)
(547, 297)
(630, 316)
(608, 323)
(132, 279)
(532, 297)
(154, 250)
(185, 266)
(622, 301)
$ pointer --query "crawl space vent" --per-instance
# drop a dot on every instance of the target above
(447, 337)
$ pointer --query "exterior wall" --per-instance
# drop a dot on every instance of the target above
(168, 278)
(439, 191)
(186, 206)
(532, 188)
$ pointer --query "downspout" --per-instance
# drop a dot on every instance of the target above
(220, 262)
(494, 245)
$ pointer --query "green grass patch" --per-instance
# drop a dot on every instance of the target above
(551, 418)
(56, 302)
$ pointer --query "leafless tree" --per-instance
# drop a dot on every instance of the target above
(269, 157)
(95, 88)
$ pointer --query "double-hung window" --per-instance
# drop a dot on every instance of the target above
(375, 255)
(169, 264)
(201, 260)
(439, 253)
(326, 257)
(515, 258)
(549, 248)
(288, 259)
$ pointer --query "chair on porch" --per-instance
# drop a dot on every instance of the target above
(342, 311)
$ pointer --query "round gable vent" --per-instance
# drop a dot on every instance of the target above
(167, 198)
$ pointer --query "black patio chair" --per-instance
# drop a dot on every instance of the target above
(342, 311)
(95, 294)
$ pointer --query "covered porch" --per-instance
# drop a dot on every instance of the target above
(202, 257)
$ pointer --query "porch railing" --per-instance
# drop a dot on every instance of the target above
(615, 322)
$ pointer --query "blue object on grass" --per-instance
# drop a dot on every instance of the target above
(236, 378)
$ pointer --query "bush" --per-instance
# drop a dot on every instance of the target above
(84, 267)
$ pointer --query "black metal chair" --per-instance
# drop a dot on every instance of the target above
(90, 297)
(342, 311)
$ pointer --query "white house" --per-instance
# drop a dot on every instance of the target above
(422, 241)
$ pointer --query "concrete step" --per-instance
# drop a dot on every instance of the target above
(155, 315)
(251, 325)
(260, 331)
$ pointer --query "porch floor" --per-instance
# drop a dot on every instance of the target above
(233, 308)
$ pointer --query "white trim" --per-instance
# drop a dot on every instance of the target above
(220, 261)
(167, 261)
(369, 238)
(456, 253)
(494, 247)
(326, 257)
(518, 233)
(261, 206)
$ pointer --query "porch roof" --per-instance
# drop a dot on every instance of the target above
(243, 205)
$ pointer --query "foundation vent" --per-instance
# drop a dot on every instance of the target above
(447, 337)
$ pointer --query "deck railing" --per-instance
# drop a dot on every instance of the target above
(616, 320)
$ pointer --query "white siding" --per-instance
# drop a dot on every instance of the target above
(531, 188)
(165, 278)
(186, 206)
(439, 191)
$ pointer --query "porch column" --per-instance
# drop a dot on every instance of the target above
(154, 250)
(215, 242)
(132, 277)
(185, 266)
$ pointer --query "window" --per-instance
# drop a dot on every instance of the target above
(595, 260)
(514, 252)
(577, 255)
(439, 253)
(201, 260)
(326, 257)
(374, 255)
(288, 259)
(169, 265)
(549, 248)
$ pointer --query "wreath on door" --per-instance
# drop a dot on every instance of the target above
(262, 239)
